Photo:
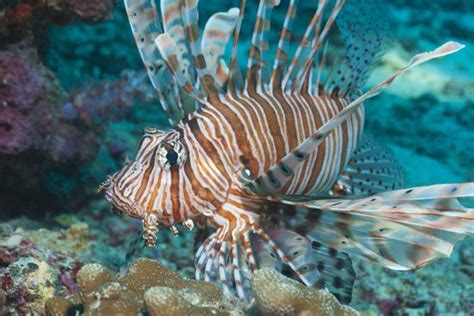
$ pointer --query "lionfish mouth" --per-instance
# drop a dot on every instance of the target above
(120, 205)
(106, 185)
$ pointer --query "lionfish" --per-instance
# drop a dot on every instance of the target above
(273, 165)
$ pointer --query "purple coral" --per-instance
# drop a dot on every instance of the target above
(26, 114)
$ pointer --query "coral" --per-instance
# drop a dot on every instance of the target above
(147, 286)
(162, 292)
(93, 105)
(278, 295)
(87, 11)
(27, 94)
(39, 264)
(36, 279)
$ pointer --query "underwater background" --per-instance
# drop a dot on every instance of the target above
(74, 101)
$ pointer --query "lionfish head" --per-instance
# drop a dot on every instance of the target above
(138, 188)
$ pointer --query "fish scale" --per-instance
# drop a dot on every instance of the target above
(275, 166)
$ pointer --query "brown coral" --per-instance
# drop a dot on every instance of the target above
(278, 295)
(147, 286)
(151, 288)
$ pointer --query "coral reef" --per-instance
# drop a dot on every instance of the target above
(29, 116)
(39, 264)
(147, 286)
(151, 288)
(36, 263)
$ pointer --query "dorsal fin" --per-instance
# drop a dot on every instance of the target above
(278, 175)
(145, 26)
(174, 55)
(308, 36)
(316, 44)
(235, 77)
(217, 32)
(168, 48)
(281, 56)
(190, 16)
(364, 39)
(259, 44)
(173, 25)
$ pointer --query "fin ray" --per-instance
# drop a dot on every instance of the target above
(401, 229)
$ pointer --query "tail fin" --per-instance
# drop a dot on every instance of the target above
(401, 230)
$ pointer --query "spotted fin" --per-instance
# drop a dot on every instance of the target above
(168, 48)
(365, 39)
(174, 28)
(401, 230)
(143, 18)
(372, 169)
(175, 57)
(279, 174)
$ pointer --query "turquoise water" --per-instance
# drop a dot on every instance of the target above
(76, 100)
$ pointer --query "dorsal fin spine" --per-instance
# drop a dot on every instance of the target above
(233, 56)
(315, 49)
(304, 42)
(190, 19)
(167, 48)
(259, 44)
(281, 56)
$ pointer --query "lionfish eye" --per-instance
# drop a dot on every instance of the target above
(172, 157)
(171, 154)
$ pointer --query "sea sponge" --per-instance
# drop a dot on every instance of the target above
(278, 295)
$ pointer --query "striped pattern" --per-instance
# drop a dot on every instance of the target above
(238, 153)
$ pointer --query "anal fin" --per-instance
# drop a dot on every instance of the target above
(323, 266)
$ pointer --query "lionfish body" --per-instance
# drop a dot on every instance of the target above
(275, 163)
